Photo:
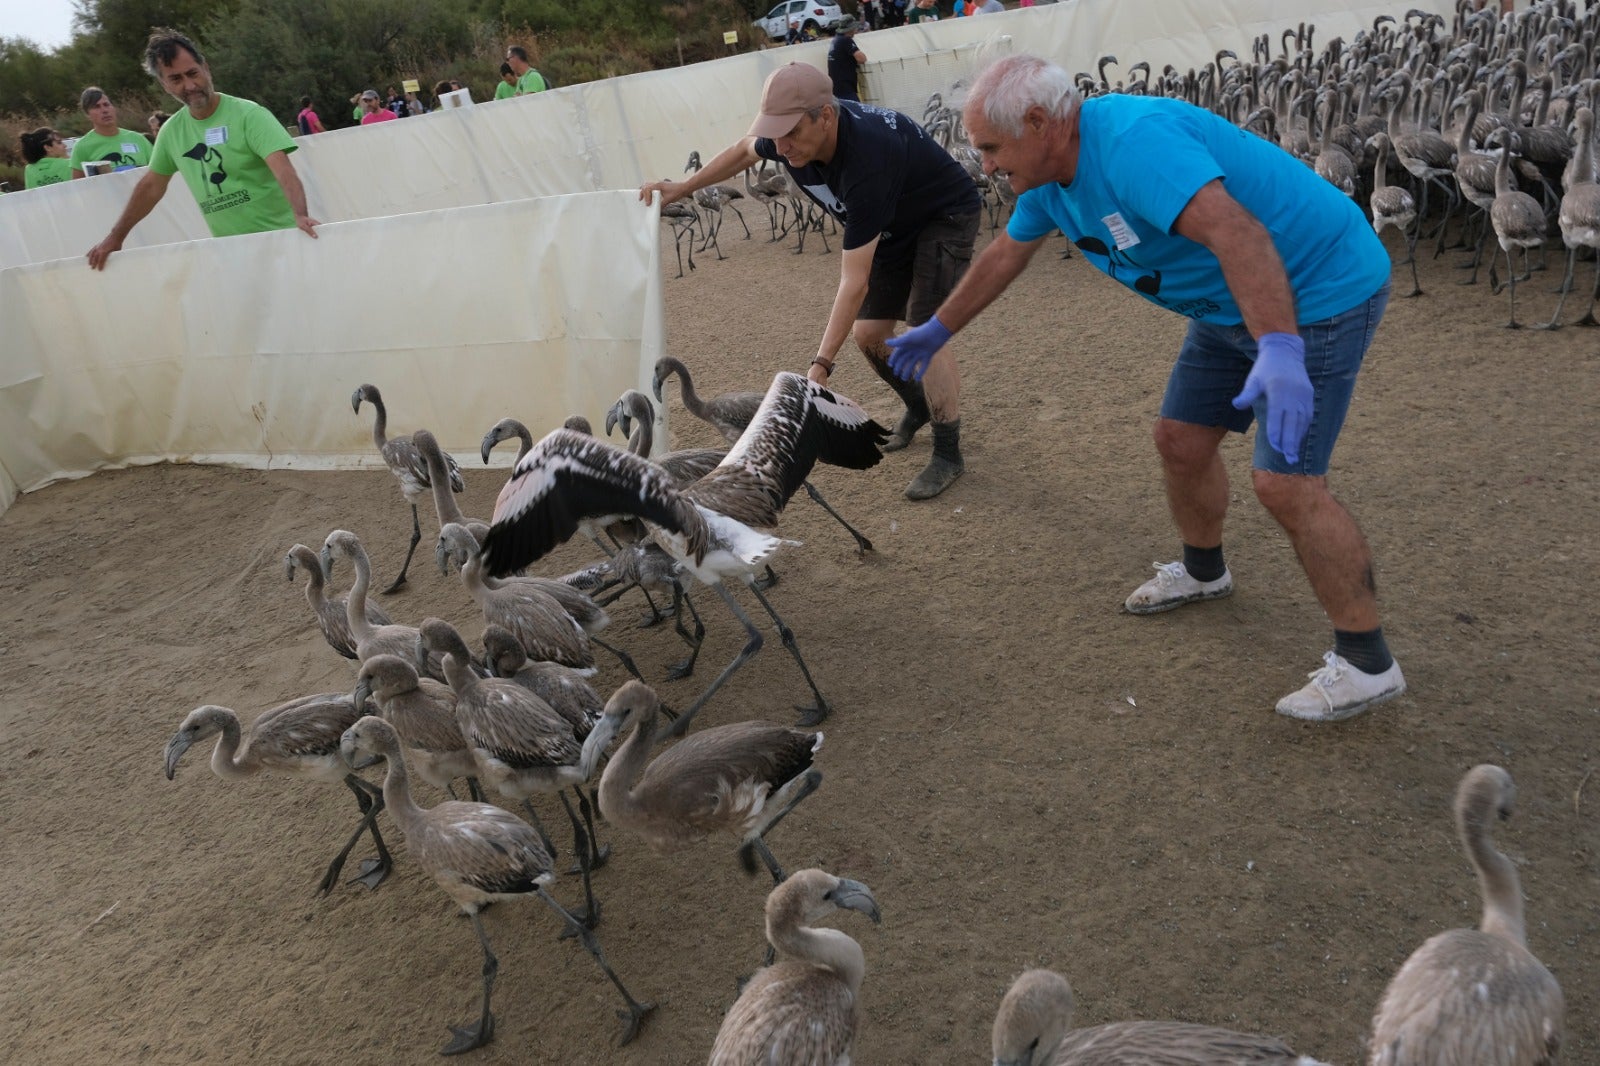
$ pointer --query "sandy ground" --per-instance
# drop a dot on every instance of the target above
(1024, 775)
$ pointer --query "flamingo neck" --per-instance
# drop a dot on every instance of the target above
(224, 757)
(355, 605)
(823, 947)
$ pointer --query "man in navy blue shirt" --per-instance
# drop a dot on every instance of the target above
(844, 60)
(910, 215)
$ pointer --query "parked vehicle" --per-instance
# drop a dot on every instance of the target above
(815, 18)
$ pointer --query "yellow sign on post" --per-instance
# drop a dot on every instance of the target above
(731, 37)
(410, 85)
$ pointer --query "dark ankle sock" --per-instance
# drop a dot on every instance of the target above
(910, 393)
(947, 441)
(1366, 652)
(1204, 564)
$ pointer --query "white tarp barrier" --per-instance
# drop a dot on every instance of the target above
(245, 351)
(618, 133)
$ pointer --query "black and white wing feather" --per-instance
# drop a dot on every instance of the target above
(568, 477)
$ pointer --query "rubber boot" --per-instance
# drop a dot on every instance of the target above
(945, 466)
(916, 414)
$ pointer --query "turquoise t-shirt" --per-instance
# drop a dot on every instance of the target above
(531, 82)
(126, 149)
(223, 161)
(47, 171)
(1140, 162)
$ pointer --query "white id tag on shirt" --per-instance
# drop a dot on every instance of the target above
(217, 135)
(129, 148)
(1122, 234)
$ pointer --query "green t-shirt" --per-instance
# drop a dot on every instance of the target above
(531, 82)
(505, 91)
(915, 14)
(126, 149)
(223, 160)
(47, 171)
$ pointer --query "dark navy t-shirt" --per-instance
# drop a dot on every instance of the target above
(842, 67)
(887, 179)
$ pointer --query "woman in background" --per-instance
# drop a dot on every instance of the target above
(46, 155)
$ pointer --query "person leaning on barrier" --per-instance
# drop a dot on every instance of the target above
(910, 215)
(233, 154)
(528, 80)
(107, 142)
(373, 110)
(844, 60)
(45, 154)
(508, 83)
(1284, 283)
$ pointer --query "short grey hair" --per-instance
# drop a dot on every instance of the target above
(163, 47)
(91, 97)
(1012, 85)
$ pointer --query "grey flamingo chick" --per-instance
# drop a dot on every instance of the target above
(1579, 216)
(406, 464)
(519, 742)
(423, 712)
(730, 415)
(505, 429)
(637, 416)
(479, 854)
(647, 565)
(555, 621)
(1033, 1027)
(716, 528)
(329, 610)
(1392, 205)
(713, 200)
(566, 690)
(803, 1009)
(741, 779)
(300, 739)
(444, 501)
(390, 639)
(1518, 222)
(1474, 995)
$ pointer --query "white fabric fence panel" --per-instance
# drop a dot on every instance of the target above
(246, 350)
(618, 133)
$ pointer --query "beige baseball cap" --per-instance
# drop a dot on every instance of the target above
(790, 92)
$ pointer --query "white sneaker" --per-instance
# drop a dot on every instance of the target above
(1173, 587)
(1338, 691)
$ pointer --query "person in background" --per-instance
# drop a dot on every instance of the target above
(960, 9)
(984, 7)
(440, 88)
(156, 120)
(844, 60)
(910, 215)
(869, 14)
(1283, 282)
(508, 83)
(46, 155)
(107, 142)
(233, 154)
(529, 81)
(356, 110)
(455, 86)
(794, 36)
(307, 119)
(921, 11)
(415, 106)
(396, 103)
(372, 109)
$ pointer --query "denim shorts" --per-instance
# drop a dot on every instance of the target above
(1215, 360)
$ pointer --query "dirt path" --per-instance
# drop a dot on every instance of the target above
(1023, 775)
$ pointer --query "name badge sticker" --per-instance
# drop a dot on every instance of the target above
(216, 136)
(1122, 234)
(129, 148)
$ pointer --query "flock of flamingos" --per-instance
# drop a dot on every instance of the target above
(1489, 118)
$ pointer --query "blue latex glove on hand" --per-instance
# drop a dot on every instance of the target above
(1280, 373)
(912, 351)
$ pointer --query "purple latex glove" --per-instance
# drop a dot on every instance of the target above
(912, 351)
(1280, 374)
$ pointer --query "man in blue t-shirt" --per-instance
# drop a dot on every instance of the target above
(1268, 261)
(910, 215)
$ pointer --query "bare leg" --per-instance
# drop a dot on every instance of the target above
(1196, 480)
(814, 714)
(636, 1012)
(1330, 546)
(416, 538)
(468, 1037)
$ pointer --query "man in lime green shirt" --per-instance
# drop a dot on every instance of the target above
(107, 142)
(528, 79)
(508, 83)
(233, 154)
